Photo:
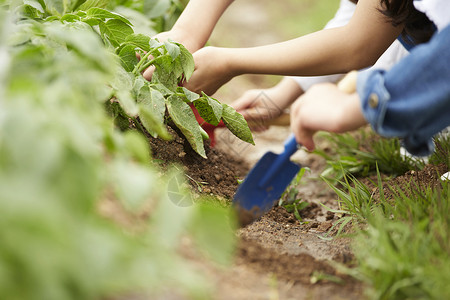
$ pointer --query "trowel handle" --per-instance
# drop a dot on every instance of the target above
(290, 147)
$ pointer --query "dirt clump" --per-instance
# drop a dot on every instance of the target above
(276, 245)
(218, 174)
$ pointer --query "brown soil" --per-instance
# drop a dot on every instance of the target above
(218, 174)
(412, 181)
(275, 247)
(279, 257)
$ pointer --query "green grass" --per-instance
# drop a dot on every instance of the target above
(402, 243)
(442, 150)
(401, 237)
(403, 251)
(358, 153)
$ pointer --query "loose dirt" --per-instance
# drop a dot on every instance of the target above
(217, 175)
(279, 257)
(277, 254)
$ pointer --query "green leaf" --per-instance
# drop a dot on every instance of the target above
(133, 184)
(153, 100)
(116, 31)
(139, 40)
(93, 3)
(172, 49)
(40, 6)
(236, 123)
(123, 90)
(154, 43)
(139, 82)
(137, 146)
(103, 14)
(54, 7)
(59, 7)
(91, 21)
(209, 109)
(161, 88)
(187, 62)
(70, 18)
(212, 232)
(151, 122)
(51, 18)
(128, 57)
(190, 96)
(167, 72)
(80, 38)
(33, 10)
(81, 13)
(183, 116)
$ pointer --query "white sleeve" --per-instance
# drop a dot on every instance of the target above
(342, 16)
(391, 56)
(436, 10)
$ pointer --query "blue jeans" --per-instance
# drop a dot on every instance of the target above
(411, 100)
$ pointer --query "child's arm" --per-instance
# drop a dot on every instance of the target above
(194, 26)
(410, 101)
(338, 50)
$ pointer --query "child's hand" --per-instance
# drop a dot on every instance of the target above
(257, 106)
(260, 106)
(211, 70)
(325, 107)
(175, 35)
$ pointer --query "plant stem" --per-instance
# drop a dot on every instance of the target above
(138, 67)
(138, 125)
(150, 62)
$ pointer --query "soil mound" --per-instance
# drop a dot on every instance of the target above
(218, 174)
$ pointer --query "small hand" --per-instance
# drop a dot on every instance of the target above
(258, 106)
(211, 71)
(177, 36)
(325, 107)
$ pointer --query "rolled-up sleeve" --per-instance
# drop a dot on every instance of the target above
(411, 100)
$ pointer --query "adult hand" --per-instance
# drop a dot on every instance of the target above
(325, 107)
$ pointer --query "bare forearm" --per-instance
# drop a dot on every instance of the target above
(321, 53)
(354, 46)
(286, 91)
(199, 19)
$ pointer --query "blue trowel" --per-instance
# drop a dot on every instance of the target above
(270, 177)
(265, 183)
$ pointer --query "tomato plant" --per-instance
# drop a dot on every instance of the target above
(136, 97)
(62, 160)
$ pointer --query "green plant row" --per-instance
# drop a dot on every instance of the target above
(136, 97)
(84, 212)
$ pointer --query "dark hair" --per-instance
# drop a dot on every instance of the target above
(417, 25)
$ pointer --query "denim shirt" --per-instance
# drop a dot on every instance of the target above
(411, 100)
